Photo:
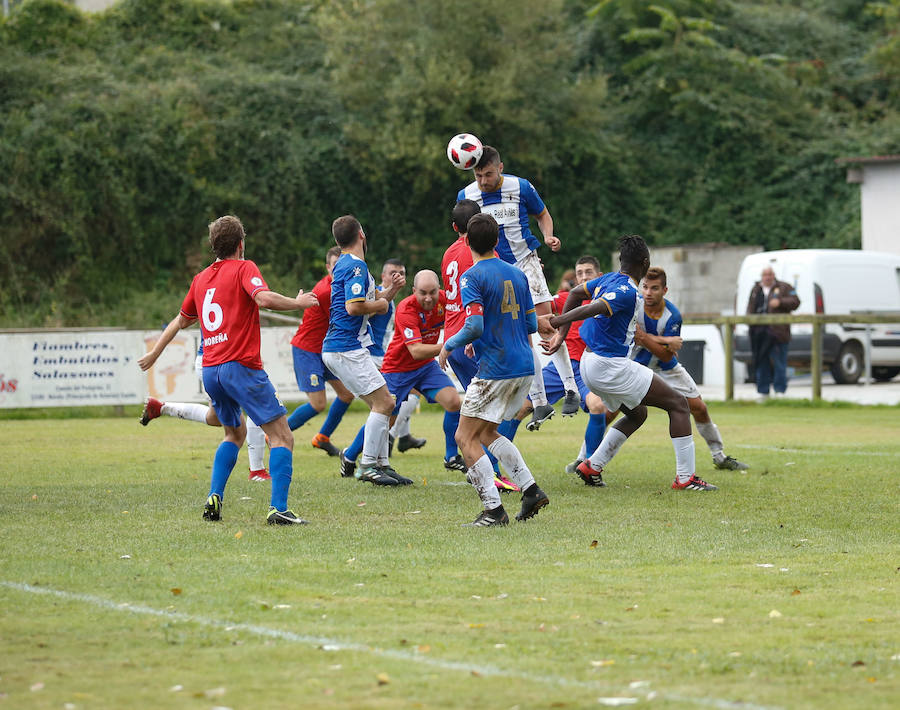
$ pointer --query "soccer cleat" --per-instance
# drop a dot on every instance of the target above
(457, 463)
(374, 475)
(213, 508)
(348, 467)
(402, 480)
(405, 443)
(489, 518)
(320, 441)
(570, 467)
(259, 475)
(284, 517)
(571, 404)
(731, 464)
(504, 485)
(587, 474)
(532, 503)
(694, 484)
(152, 409)
(540, 414)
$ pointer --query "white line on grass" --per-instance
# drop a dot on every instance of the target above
(818, 452)
(328, 644)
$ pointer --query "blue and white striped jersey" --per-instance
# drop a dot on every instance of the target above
(350, 281)
(510, 206)
(382, 326)
(669, 323)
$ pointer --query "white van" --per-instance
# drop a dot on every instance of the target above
(832, 281)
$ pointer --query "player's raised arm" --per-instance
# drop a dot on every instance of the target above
(180, 321)
(277, 302)
(545, 224)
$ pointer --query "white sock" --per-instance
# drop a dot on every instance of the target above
(684, 457)
(609, 447)
(564, 367)
(401, 424)
(375, 438)
(186, 410)
(710, 432)
(481, 475)
(582, 452)
(513, 463)
(256, 445)
(537, 393)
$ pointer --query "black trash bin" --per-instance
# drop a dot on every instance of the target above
(691, 356)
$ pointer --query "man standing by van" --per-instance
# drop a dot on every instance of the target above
(769, 343)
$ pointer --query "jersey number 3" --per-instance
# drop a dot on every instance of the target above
(509, 303)
(211, 312)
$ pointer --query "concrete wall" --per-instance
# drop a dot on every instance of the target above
(880, 202)
(702, 278)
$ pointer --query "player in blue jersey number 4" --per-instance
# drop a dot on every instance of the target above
(608, 332)
(500, 317)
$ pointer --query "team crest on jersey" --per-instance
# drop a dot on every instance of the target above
(408, 332)
(314, 380)
(256, 281)
(356, 289)
(610, 295)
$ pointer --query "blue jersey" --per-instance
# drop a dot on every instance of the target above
(500, 294)
(669, 323)
(613, 336)
(510, 206)
(382, 326)
(350, 281)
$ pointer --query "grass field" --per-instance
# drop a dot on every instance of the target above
(778, 591)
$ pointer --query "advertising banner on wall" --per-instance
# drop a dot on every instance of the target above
(94, 367)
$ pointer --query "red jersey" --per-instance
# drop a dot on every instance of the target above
(573, 339)
(457, 260)
(312, 329)
(222, 297)
(413, 325)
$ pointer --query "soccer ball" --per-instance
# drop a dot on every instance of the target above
(464, 151)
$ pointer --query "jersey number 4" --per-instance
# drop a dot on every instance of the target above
(509, 303)
(211, 312)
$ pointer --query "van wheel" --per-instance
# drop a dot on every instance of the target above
(848, 365)
(884, 374)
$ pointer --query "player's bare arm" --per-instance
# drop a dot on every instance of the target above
(277, 302)
(545, 224)
(423, 351)
(398, 281)
(658, 345)
(367, 308)
(180, 321)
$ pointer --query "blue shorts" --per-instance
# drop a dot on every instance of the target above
(310, 371)
(553, 384)
(429, 380)
(463, 366)
(232, 386)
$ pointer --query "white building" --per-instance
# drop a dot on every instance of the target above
(879, 181)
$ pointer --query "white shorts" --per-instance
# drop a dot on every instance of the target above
(616, 380)
(680, 380)
(530, 265)
(356, 369)
(495, 400)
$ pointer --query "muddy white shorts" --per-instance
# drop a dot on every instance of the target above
(356, 369)
(495, 400)
(616, 380)
(680, 380)
(530, 265)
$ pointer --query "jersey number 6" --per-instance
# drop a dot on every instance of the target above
(211, 312)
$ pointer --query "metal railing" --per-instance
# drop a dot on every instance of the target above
(818, 320)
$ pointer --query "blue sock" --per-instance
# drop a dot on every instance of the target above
(301, 415)
(223, 463)
(593, 434)
(352, 451)
(451, 422)
(335, 414)
(281, 467)
(508, 428)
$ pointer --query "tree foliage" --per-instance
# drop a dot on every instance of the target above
(125, 132)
